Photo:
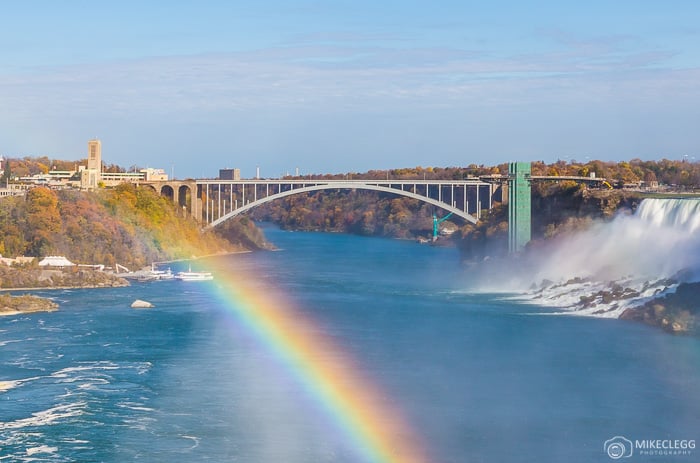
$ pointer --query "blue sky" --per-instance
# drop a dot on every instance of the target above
(343, 86)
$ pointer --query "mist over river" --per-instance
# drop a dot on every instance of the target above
(474, 377)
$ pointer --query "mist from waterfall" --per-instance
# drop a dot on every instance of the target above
(657, 241)
(612, 265)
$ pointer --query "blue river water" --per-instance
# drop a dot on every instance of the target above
(479, 377)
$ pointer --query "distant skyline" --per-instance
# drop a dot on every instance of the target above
(341, 86)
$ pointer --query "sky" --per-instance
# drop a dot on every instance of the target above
(349, 86)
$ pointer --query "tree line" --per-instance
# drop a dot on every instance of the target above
(28, 166)
(682, 174)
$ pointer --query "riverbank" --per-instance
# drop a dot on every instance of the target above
(14, 305)
(206, 256)
(29, 278)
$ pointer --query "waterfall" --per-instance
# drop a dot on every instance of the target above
(614, 265)
(683, 214)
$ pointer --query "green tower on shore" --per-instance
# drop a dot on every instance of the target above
(519, 198)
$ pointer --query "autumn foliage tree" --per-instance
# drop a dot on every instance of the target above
(359, 212)
(127, 225)
(43, 220)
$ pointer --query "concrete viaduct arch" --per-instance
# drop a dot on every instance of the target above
(183, 193)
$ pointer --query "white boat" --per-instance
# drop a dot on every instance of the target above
(155, 274)
(194, 276)
(163, 274)
(147, 274)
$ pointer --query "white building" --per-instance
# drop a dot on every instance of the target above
(55, 261)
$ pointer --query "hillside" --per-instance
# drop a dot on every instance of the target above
(557, 209)
(126, 225)
(359, 212)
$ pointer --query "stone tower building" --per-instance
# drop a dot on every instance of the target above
(90, 177)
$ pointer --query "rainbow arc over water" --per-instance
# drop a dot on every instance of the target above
(365, 416)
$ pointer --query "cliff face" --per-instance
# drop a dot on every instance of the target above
(242, 232)
(567, 206)
(557, 209)
(488, 238)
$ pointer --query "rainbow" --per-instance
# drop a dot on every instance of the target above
(353, 403)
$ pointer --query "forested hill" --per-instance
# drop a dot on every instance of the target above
(358, 212)
(126, 225)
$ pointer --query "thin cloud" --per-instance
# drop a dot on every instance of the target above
(334, 78)
(340, 77)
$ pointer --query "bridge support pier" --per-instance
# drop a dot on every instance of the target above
(185, 194)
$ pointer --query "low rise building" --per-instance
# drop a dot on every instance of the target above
(85, 177)
(229, 174)
(20, 260)
(55, 261)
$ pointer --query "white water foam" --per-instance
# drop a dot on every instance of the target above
(41, 449)
(194, 439)
(7, 385)
(84, 376)
(613, 265)
(91, 366)
(9, 341)
(47, 417)
(135, 406)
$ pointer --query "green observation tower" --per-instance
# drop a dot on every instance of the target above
(519, 197)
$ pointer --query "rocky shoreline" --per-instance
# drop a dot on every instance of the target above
(13, 305)
(13, 278)
(32, 278)
(674, 313)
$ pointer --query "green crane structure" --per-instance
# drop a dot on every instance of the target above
(436, 225)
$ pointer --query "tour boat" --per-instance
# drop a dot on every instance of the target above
(194, 276)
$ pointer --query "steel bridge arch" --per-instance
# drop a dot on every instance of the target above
(342, 186)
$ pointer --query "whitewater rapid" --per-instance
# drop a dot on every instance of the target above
(615, 265)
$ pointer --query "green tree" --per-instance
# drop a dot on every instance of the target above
(6, 173)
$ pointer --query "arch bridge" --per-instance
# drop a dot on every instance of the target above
(212, 201)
